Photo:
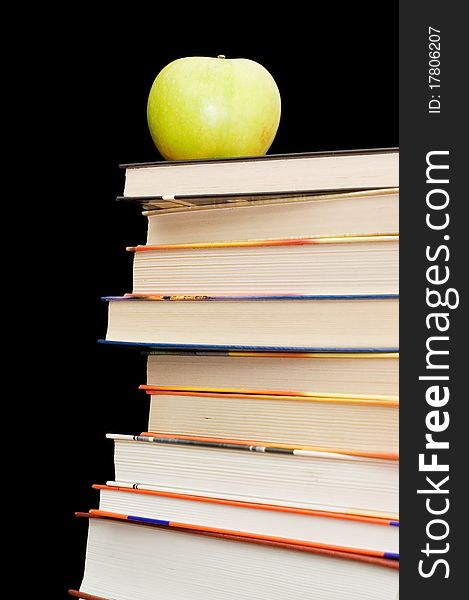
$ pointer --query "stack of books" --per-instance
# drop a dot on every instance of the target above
(266, 301)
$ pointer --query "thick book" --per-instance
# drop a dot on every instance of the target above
(335, 531)
(274, 475)
(307, 266)
(280, 174)
(261, 322)
(133, 561)
(346, 425)
(319, 374)
(369, 212)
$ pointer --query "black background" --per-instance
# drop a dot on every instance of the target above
(337, 71)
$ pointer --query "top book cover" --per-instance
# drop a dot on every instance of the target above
(277, 174)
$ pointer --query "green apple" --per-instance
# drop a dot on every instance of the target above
(202, 107)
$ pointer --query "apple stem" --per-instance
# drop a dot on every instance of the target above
(221, 56)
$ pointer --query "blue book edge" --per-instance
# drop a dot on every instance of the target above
(228, 347)
(205, 298)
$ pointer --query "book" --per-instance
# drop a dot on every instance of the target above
(345, 265)
(133, 561)
(266, 217)
(361, 425)
(331, 374)
(277, 322)
(349, 533)
(345, 425)
(280, 174)
(271, 474)
(266, 300)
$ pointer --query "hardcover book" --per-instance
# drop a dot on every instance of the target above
(309, 323)
(371, 536)
(264, 217)
(280, 174)
(235, 470)
(345, 425)
(307, 266)
(353, 375)
(130, 561)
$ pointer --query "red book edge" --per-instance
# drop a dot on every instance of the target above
(85, 596)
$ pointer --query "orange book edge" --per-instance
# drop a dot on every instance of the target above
(348, 452)
(269, 395)
(95, 512)
(376, 518)
(249, 538)
(268, 242)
